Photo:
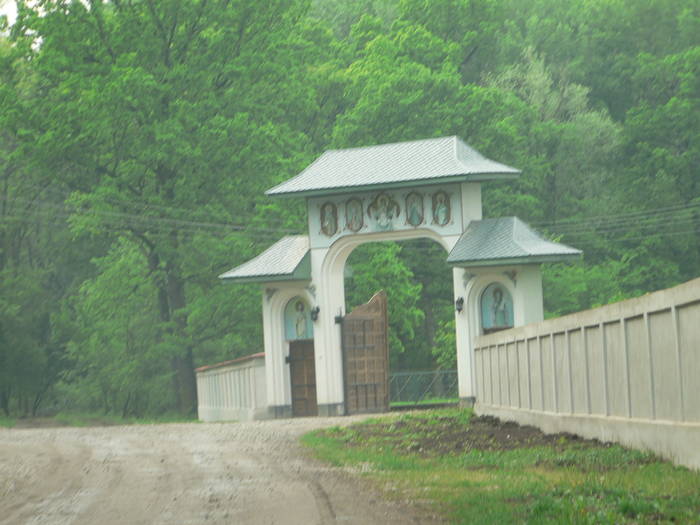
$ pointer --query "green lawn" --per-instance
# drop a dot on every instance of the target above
(428, 401)
(89, 419)
(7, 422)
(564, 481)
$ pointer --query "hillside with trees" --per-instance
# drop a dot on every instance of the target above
(137, 138)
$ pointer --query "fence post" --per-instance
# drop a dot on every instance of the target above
(584, 338)
(647, 329)
(677, 338)
(604, 342)
(568, 369)
(625, 349)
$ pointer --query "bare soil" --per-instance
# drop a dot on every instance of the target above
(443, 435)
(183, 473)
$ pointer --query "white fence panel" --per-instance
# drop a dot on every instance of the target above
(233, 390)
(626, 372)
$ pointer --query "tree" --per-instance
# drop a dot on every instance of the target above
(158, 117)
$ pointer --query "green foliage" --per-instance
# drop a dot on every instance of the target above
(137, 140)
(377, 266)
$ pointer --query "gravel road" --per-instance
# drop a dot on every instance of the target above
(183, 473)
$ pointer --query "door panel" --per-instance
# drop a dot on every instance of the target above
(366, 357)
(302, 372)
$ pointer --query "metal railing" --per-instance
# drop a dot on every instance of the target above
(415, 388)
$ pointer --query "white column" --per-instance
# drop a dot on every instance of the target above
(464, 334)
(275, 366)
(327, 276)
(527, 299)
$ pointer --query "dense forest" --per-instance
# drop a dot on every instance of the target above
(137, 138)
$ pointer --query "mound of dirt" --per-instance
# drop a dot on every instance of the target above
(446, 435)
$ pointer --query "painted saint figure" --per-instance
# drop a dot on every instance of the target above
(414, 209)
(441, 208)
(498, 309)
(300, 322)
(353, 215)
(383, 210)
(329, 219)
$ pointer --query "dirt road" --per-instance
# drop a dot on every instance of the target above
(181, 473)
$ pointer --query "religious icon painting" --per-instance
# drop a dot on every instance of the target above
(329, 219)
(414, 208)
(496, 308)
(441, 208)
(383, 211)
(354, 217)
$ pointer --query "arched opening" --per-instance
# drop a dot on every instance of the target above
(297, 320)
(419, 287)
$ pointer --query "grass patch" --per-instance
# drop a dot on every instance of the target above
(86, 419)
(7, 422)
(427, 401)
(94, 419)
(470, 469)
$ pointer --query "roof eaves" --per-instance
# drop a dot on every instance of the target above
(432, 181)
(302, 272)
(509, 261)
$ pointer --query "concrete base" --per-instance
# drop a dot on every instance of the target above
(280, 412)
(467, 402)
(331, 409)
(678, 442)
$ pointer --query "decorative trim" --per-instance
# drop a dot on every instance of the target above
(329, 218)
(383, 210)
(441, 208)
(415, 211)
(354, 214)
(312, 290)
(512, 274)
(269, 292)
(467, 277)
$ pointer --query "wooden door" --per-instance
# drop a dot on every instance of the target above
(303, 378)
(366, 357)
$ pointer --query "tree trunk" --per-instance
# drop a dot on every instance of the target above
(183, 362)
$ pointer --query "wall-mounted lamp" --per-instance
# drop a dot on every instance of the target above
(459, 304)
(314, 313)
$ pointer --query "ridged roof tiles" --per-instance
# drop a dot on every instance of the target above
(506, 240)
(418, 162)
(285, 260)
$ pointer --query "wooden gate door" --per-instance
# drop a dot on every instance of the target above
(302, 372)
(366, 357)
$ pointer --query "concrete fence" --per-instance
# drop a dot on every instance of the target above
(627, 372)
(233, 390)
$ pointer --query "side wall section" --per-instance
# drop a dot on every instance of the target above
(234, 390)
(627, 372)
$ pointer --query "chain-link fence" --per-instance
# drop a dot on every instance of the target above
(414, 388)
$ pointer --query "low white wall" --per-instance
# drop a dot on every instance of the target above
(234, 390)
(627, 372)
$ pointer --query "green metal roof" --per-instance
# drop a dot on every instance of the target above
(288, 259)
(507, 240)
(419, 162)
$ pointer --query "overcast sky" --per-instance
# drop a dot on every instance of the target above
(7, 7)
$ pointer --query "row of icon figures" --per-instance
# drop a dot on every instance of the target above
(383, 210)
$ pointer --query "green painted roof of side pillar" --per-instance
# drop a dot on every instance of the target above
(286, 260)
(506, 241)
(414, 163)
